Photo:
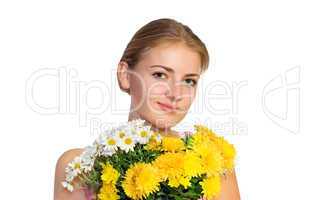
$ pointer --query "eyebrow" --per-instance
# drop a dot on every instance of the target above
(171, 70)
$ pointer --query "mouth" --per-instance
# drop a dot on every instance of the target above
(166, 107)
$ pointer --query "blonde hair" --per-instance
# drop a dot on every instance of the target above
(159, 31)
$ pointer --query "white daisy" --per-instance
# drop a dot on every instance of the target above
(74, 166)
(120, 133)
(73, 169)
(143, 135)
(124, 136)
(67, 185)
(136, 123)
(108, 144)
(88, 157)
(127, 143)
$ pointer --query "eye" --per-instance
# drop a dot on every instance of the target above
(190, 82)
(159, 75)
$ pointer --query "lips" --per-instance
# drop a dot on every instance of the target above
(167, 107)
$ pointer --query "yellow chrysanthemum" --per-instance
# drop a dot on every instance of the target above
(228, 152)
(203, 134)
(172, 144)
(179, 180)
(211, 187)
(211, 158)
(205, 140)
(141, 180)
(109, 174)
(192, 164)
(212, 163)
(169, 164)
(175, 168)
(153, 143)
(108, 192)
(204, 148)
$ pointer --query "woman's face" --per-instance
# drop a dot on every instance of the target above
(163, 84)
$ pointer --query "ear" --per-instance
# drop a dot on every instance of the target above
(123, 76)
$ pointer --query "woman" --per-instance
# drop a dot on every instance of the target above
(160, 69)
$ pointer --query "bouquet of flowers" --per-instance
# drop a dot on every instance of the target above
(131, 161)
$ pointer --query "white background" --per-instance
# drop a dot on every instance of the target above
(280, 155)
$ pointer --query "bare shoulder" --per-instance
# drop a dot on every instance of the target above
(69, 155)
(229, 187)
(61, 193)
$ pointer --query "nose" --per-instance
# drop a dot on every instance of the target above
(174, 92)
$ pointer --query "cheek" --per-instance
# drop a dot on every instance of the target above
(156, 89)
(138, 89)
(147, 90)
(188, 98)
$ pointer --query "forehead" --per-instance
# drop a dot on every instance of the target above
(177, 56)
